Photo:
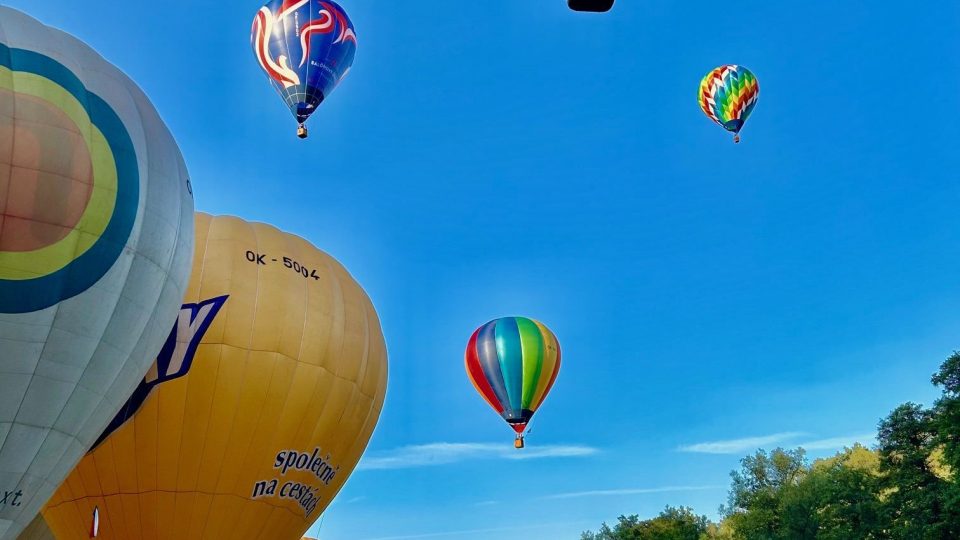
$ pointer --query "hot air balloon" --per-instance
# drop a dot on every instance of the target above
(513, 362)
(96, 235)
(256, 410)
(728, 95)
(37, 530)
(305, 47)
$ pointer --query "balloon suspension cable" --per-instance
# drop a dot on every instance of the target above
(302, 131)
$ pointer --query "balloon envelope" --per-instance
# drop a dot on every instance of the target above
(96, 236)
(728, 95)
(513, 363)
(305, 47)
(37, 530)
(257, 409)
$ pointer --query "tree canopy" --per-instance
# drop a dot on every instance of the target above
(905, 488)
(672, 524)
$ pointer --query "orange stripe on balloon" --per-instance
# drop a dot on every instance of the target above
(551, 366)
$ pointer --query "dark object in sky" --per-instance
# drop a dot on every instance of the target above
(590, 5)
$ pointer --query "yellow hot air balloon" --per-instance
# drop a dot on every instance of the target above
(257, 409)
(96, 232)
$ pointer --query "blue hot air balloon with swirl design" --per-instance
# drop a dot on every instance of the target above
(306, 47)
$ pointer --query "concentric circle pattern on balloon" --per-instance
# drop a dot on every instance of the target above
(71, 198)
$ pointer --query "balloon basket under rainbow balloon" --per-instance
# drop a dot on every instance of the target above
(302, 131)
(518, 442)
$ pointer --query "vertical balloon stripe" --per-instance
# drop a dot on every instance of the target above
(490, 362)
(551, 366)
(511, 361)
(531, 342)
(477, 377)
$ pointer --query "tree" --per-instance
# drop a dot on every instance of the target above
(753, 506)
(672, 524)
(915, 496)
(720, 531)
(838, 499)
(946, 421)
(780, 497)
(947, 411)
(906, 489)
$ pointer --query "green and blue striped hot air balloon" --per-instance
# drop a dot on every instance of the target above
(513, 362)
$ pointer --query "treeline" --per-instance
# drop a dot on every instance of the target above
(905, 488)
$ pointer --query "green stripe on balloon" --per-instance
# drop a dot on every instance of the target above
(531, 341)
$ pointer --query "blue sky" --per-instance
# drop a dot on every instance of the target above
(510, 157)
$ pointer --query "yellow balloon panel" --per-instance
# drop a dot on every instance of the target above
(257, 409)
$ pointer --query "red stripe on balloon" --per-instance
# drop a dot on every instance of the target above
(323, 26)
(261, 45)
(475, 372)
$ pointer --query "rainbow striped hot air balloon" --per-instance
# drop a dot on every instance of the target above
(728, 95)
(513, 362)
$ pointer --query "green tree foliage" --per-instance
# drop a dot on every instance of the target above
(779, 496)
(915, 497)
(720, 531)
(838, 498)
(757, 490)
(946, 422)
(672, 524)
(905, 489)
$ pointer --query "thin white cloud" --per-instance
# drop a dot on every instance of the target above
(486, 503)
(425, 455)
(837, 443)
(749, 444)
(738, 446)
(629, 491)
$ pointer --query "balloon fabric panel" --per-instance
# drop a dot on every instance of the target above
(95, 245)
(476, 375)
(37, 530)
(531, 341)
(490, 362)
(551, 366)
(510, 355)
(268, 382)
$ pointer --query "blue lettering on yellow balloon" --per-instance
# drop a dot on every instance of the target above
(175, 357)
